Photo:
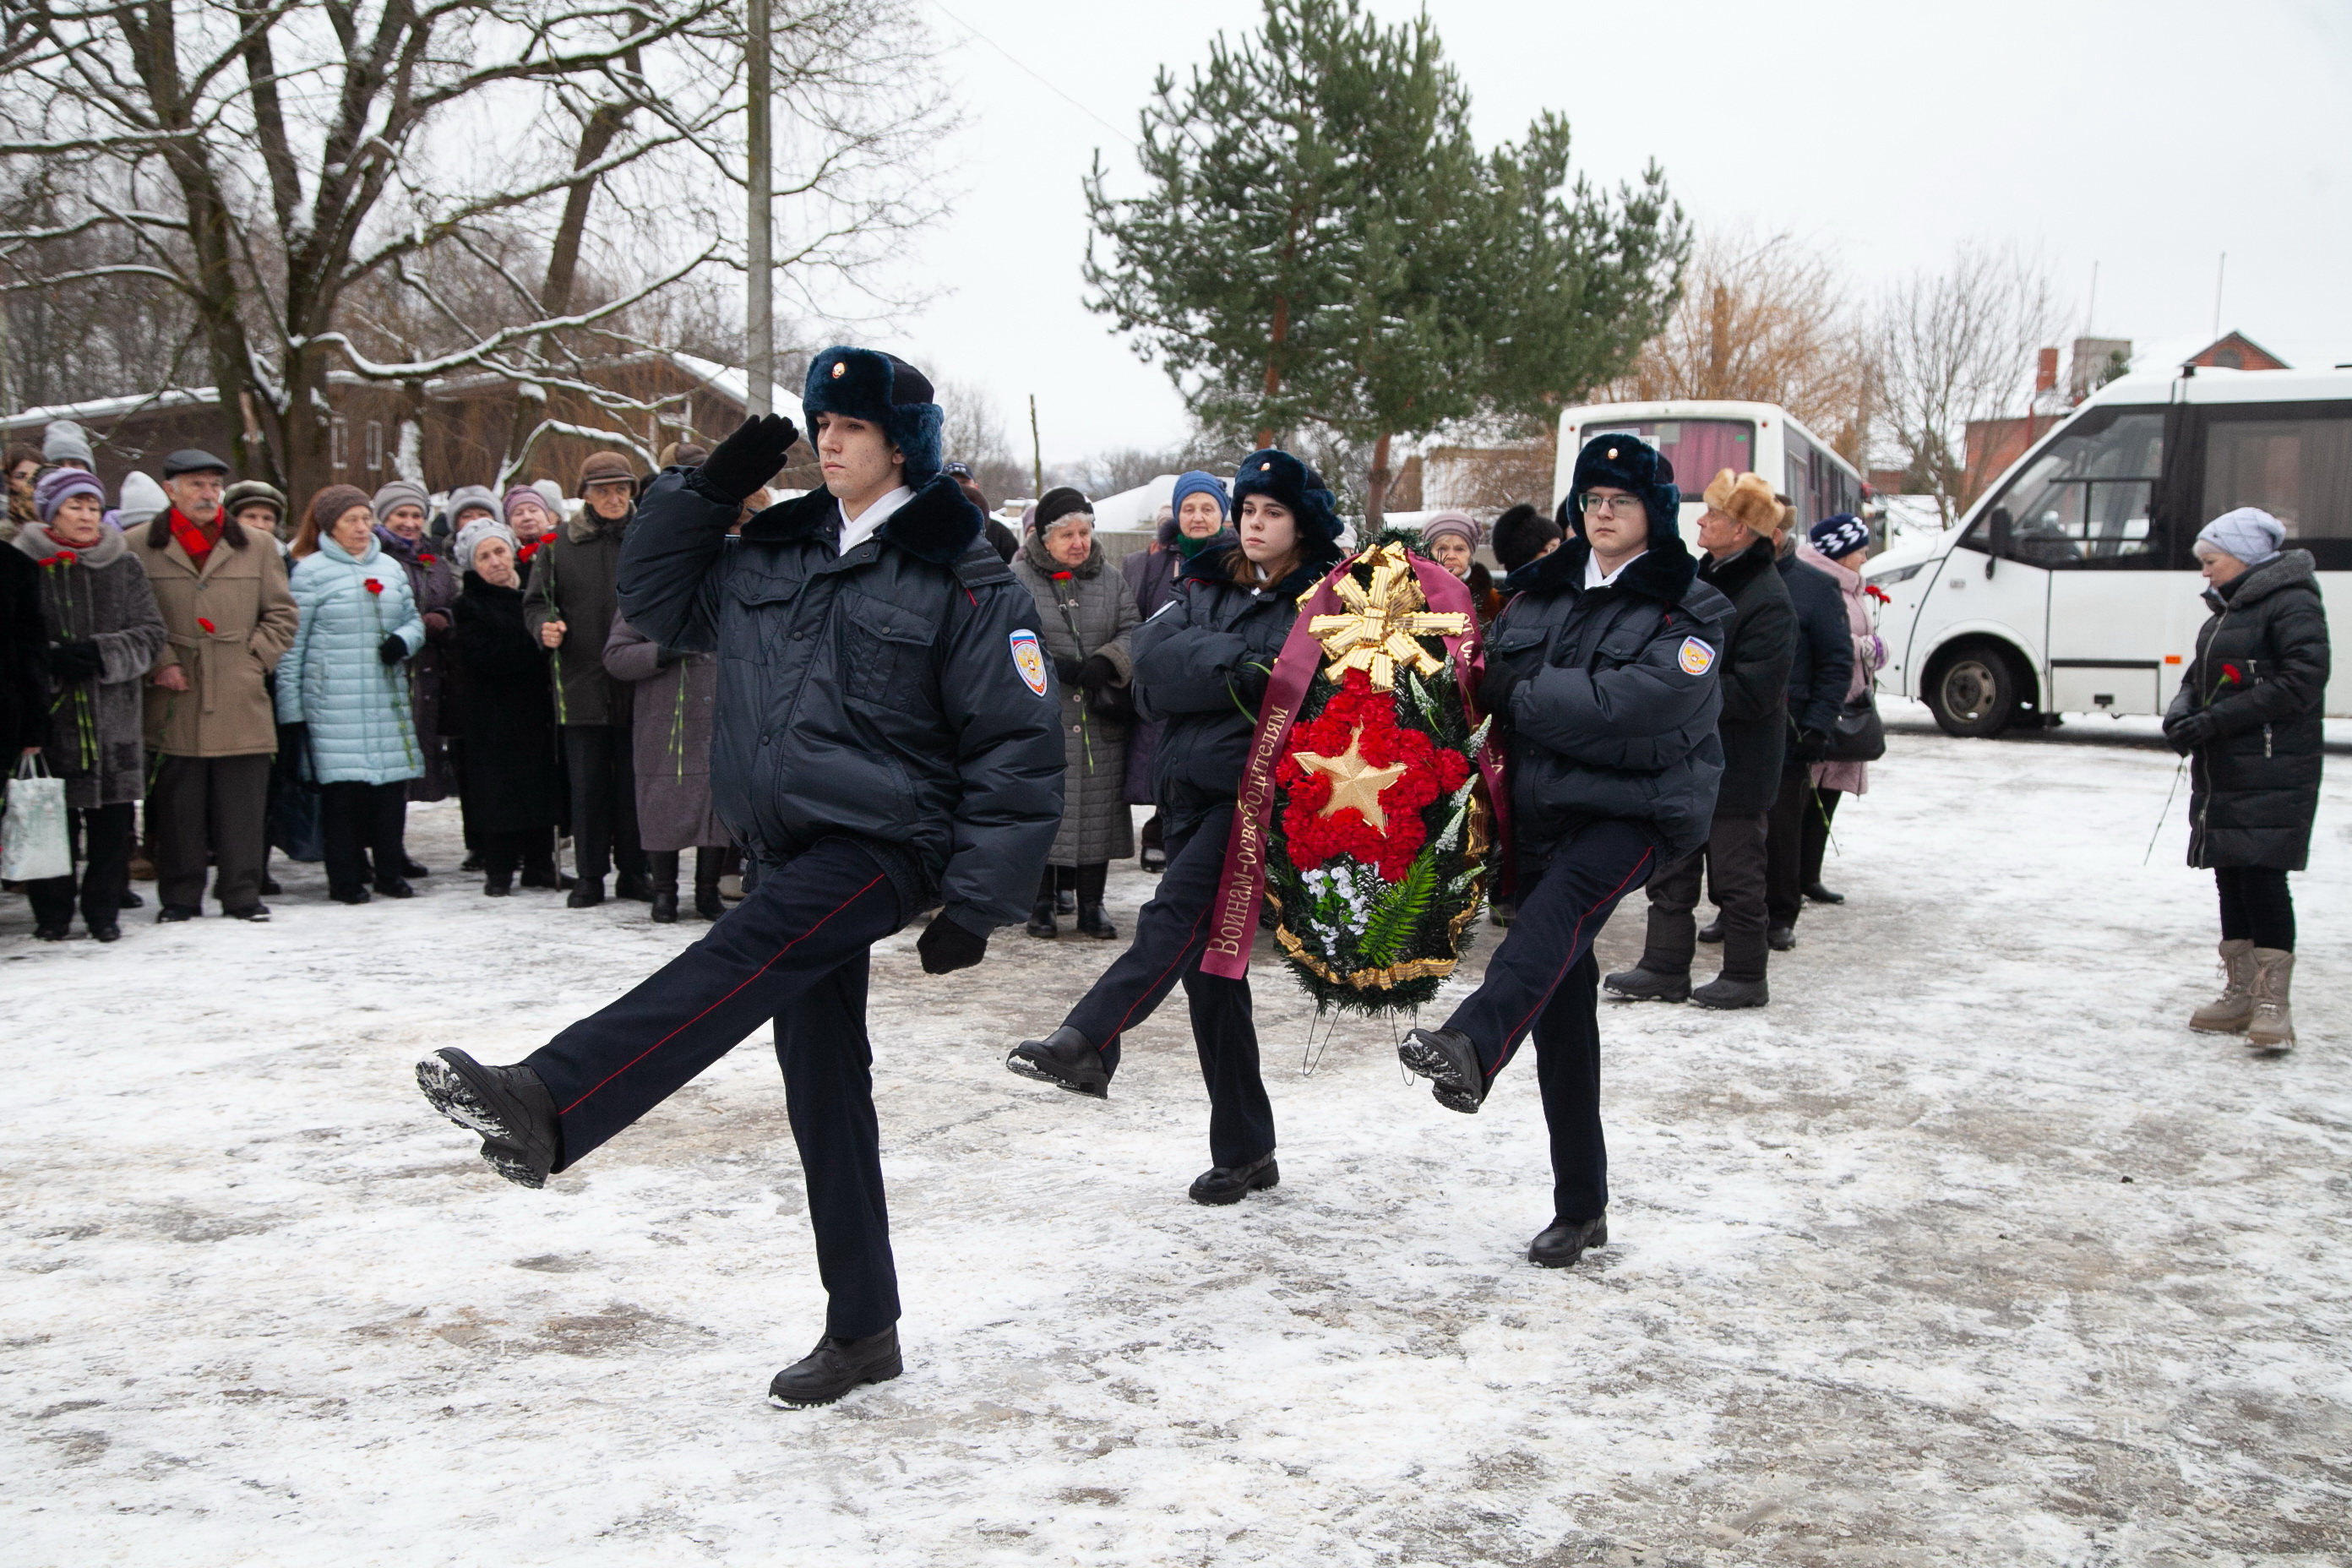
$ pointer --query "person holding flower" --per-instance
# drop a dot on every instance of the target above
(1202, 664)
(400, 523)
(512, 782)
(104, 632)
(343, 693)
(1084, 616)
(2248, 718)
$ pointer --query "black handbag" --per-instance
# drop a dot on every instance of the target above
(1860, 735)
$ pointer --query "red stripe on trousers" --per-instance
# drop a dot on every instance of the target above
(723, 1000)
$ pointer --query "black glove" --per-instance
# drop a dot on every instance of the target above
(72, 661)
(1812, 746)
(2191, 731)
(393, 649)
(747, 459)
(1066, 668)
(947, 946)
(1097, 673)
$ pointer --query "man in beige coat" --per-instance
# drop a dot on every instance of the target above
(229, 616)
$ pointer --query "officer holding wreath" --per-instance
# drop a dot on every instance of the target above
(1601, 677)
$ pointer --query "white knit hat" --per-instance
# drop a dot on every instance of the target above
(2249, 533)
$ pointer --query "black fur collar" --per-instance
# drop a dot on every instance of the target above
(938, 525)
(1665, 571)
(1215, 560)
(2285, 570)
(1729, 577)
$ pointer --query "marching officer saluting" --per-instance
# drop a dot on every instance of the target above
(1601, 675)
(886, 739)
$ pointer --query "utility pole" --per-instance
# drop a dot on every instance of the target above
(759, 304)
(1036, 451)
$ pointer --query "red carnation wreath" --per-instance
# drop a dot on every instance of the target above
(1356, 717)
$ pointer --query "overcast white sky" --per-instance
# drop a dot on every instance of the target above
(2148, 137)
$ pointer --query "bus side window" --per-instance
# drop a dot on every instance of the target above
(2293, 461)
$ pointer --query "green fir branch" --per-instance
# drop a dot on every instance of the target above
(1392, 924)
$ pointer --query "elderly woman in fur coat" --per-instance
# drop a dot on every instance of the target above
(1084, 614)
(104, 632)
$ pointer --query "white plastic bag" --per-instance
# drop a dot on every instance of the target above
(33, 844)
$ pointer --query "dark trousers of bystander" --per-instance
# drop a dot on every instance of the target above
(105, 833)
(1817, 835)
(1733, 861)
(209, 807)
(1544, 978)
(793, 951)
(601, 768)
(1171, 932)
(2256, 906)
(360, 824)
(531, 850)
(1784, 870)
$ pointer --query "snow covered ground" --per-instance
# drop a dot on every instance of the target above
(1964, 1252)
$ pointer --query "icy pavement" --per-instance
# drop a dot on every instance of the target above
(1964, 1252)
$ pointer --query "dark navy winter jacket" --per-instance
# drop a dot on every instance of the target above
(1819, 679)
(874, 696)
(1609, 697)
(1201, 665)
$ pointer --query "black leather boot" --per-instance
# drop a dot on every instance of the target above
(586, 893)
(1064, 1059)
(1091, 882)
(498, 884)
(1563, 1241)
(1643, 983)
(1223, 1184)
(521, 1138)
(708, 864)
(836, 1367)
(1041, 917)
(1450, 1062)
(665, 887)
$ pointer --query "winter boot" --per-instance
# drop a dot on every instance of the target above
(509, 1105)
(2230, 1012)
(394, 888)
(1222, 1184)
(1064, 1059)
(1065, 901)
(665, 887)
(633, 885)
(1091, 882)
(1564, 1241)
(1447, 1058)
(708, 864)
(1041, 917)
(1724, 993)
(586, 893)
(1093, 924)
(1643, 984)
(1821, 895)
(836, 1367)
(2272, 1028)
(498, 884)
(1712, 931)
(1780, 938)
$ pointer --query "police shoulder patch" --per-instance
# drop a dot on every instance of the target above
(1029, 660)
(1696, 658)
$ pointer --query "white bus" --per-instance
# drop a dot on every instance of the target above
(2070, 586)
(1701, 438)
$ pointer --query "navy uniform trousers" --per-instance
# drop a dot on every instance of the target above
(1171, 932)
(795, 951)
(1544, 977)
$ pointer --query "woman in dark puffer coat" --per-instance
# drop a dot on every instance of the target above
(511, 782)
(2248, 716)
(1197, 514)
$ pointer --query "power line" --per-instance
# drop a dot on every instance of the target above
(1023, 66)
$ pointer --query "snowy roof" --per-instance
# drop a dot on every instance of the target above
(112, 407)
(1136, 510)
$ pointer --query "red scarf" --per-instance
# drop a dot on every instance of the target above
(197, 540)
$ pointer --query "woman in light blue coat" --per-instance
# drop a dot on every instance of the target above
(343, 695)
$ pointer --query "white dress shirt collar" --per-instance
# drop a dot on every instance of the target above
(855, 533)
(1595, 578)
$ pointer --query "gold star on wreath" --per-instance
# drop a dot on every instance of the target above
(1376, 634)
(1354, 782)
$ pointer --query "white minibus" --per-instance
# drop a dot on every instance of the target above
(2070, 586)
(1700, 438)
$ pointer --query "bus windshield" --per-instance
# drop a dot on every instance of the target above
(1696, 447)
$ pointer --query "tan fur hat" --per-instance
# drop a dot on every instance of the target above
(1746, 500)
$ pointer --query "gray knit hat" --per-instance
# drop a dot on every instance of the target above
(471, 537)
(399, 493)
(66, 442)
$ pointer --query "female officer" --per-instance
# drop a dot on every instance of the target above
(1202, 664)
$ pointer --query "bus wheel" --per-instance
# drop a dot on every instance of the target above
(1974, 693)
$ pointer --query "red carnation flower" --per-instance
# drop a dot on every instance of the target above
(426, 558)
(2230, 673)
(1877, 593)
(373, 586)
(209, 627)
